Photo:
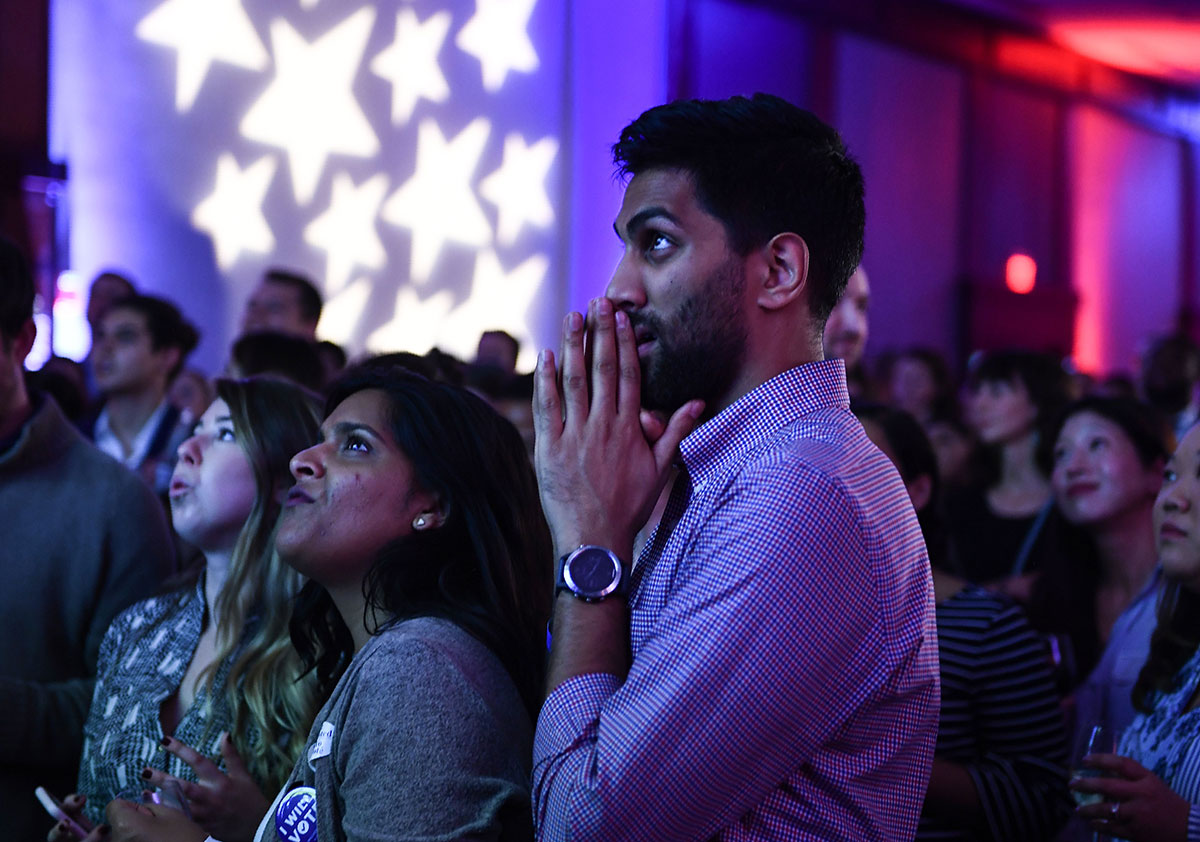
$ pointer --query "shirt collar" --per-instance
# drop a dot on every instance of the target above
(107, 441)
(756, 415)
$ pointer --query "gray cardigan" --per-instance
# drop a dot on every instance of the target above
(429, 741)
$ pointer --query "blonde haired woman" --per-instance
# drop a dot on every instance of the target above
(206, 677)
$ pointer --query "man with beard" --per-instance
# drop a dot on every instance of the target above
(767, 669)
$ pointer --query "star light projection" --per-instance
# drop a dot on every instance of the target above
(201, 32)
(315, 114)
(411, 65)
(309, 110)
(232, 213)
(437, 203)
(497, 36)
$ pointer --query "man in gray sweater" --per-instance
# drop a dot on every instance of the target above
(81, 538)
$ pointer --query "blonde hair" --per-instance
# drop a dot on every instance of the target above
(272, 702)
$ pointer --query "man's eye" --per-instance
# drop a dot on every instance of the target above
(658, 242)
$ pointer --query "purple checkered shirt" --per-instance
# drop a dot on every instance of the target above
(784, 682)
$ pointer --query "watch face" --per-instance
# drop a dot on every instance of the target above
(591, 571)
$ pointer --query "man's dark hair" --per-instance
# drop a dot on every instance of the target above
(269, 352)
(167, 326)
(16, 289)
(761, 166)
(310, 298)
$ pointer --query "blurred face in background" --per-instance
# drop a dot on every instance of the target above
(124, 357)
(276, 306)
(847, 328)
(1097, 474)
(1177, 514)
(913, 387)
(1001, 411)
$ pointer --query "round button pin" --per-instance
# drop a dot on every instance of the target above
(296, 816)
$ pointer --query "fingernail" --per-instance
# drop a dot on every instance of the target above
(603, 306)
(574, 321)
(622, 319)
(145, 774)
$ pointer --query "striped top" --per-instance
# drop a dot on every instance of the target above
(1167, 741)
(1000, 719)
(784, 675)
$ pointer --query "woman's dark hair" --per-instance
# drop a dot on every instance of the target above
(914, 458)
(1141, 423)
(1174, 642)
(486, 568)
(1045, 382)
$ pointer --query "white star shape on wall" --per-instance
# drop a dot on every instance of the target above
(346, 231)
(201, 32)
(415, 324)
(437, 203)
(411, 62)
(496, 36)
(343, 312)
(309, 110)
(518, 188)
(232, 213)
(499, 301)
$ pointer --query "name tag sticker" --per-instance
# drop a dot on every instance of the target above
(322, 746)
(296, 816)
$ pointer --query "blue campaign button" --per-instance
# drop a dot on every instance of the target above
(296, 816)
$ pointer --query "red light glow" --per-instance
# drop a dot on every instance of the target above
(1159, 47)
(1020, 273)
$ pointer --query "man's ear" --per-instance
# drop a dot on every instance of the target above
(22, 341)
(786, 257)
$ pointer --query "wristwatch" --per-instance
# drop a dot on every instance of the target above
(592, 574)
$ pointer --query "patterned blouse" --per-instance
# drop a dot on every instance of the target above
(1167, 741)
(143, 659)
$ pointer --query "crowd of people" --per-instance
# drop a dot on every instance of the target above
(801, 592)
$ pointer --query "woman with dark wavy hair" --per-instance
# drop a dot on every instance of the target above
(416, 519)
(1152, 788)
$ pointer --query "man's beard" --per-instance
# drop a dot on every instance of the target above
(699, 348)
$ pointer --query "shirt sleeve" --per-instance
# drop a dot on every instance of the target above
(1020, 776)
(744, 677)
(1193, 826)
(44, 721)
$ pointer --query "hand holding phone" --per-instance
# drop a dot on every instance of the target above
(59, 812)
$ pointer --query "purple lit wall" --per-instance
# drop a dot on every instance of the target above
(900, 115)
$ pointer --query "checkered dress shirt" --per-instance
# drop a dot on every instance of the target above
(784, 683)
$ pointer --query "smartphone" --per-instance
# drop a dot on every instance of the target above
(56, 810)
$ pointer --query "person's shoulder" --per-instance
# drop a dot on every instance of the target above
(146, 614)
(987, 615)
(424, 643)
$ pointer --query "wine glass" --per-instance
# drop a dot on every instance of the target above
(1100, 739)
